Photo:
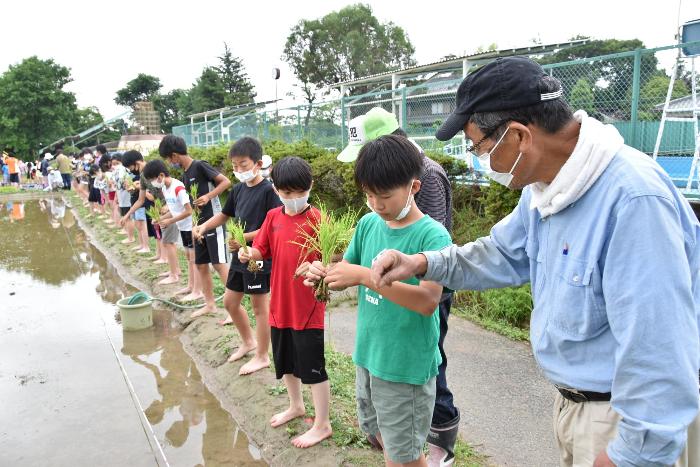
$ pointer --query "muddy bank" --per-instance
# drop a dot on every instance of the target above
(251, 400)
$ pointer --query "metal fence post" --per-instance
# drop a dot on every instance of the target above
(299, 129)
(343, 132)
(404, 109)
(634, 114)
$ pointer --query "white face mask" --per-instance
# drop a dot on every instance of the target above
(404, 212)
(157, 184)
(265, 173)
(295, 205)
(504, 179)
(244, 176)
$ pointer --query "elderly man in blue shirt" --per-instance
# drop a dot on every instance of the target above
(610, 248)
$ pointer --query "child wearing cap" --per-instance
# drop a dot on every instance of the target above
(396, 345)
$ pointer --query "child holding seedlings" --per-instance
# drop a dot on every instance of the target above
(296, 318)
(179, 218)
(134, 163)
(121, 183)
(209, 245)
(396, 351)
(246, 207)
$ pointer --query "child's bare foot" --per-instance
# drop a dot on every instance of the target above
(169, 280)
(143, 251)
(123, 232)
(286, 416)
(226, 321)
(183, 291)
(126, 240)
(137, 247)
(160, 261)
(206, 309)
(242, 351)
(255, 364)
(192, 297)
(164, 274)
(314, 436)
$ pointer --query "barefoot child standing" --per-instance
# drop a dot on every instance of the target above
(248, 203)
(209, 245)
(296, 318)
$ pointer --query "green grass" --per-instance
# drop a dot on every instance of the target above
(9, 190)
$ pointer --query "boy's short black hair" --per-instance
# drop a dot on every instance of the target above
(117, 157)
(129, 158)
(247, 147)
(292, 173)
(93, 169)
(170, 145)
(154, 168)
(102, 149)
(105, 162)
(386, 163)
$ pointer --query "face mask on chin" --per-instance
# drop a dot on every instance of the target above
(244, 177)
(406, 209)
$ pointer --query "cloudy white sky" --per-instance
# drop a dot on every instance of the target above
(108, 43)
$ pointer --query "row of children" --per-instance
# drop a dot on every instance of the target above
(396, 349)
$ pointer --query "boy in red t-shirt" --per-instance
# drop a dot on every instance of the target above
(296, 318)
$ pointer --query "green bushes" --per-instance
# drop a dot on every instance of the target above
(476, 210)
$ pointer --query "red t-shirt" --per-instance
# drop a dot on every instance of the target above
(292, 304)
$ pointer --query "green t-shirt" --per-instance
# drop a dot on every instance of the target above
(393, 343)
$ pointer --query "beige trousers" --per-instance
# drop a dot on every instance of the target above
(583, 430)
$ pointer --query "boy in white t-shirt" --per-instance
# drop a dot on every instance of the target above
(180, 213)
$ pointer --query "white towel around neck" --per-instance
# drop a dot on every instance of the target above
(597, 145)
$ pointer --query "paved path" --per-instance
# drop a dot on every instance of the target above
(505, 401)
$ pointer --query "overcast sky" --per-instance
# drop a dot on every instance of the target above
(107, 44)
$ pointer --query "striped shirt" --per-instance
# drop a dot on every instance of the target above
(435, 196)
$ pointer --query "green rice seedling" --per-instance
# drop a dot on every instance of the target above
(194, 194)
(327, 238)
(154, 212)
(237, 231)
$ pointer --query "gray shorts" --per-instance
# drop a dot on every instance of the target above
(170, 234)
(400, 412)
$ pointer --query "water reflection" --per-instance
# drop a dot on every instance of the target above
(186, 417)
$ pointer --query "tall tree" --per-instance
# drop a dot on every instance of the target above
(34, 108)
(345, 45)
(142, 88)
(239, 89)
(173, 107)
(208, 92)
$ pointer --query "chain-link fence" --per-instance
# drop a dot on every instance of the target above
(627, 90)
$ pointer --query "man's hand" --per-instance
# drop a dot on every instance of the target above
(244, 254)
(233, 245)
(202, 200)
(391, 266)
(603, 460)
(340, 276)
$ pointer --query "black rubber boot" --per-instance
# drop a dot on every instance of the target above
(441, 443)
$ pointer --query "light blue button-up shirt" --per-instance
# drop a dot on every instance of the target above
(615, 285)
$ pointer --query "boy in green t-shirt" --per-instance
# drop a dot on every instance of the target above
(396, 351)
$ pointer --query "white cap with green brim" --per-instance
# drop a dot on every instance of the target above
(370, 126)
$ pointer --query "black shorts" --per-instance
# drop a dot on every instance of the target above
(299, 353)
(149, 227)
(14, 178)
(248, 282)
(95, 196)
(212, 248)
(186, 237)
(123, 210)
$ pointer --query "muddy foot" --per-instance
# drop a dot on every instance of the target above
(143, 251)
(242, 352)
(192, 297)
(183, 291)
(205, 310)
(286, 416)
(225, 322)
(169, 280)
(164, 274)
(314, 436)
(255, 364)
(126, 240)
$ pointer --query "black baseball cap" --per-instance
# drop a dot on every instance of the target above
(504, 84)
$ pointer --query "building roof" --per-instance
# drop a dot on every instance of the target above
(456, 62)
(679, 105)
